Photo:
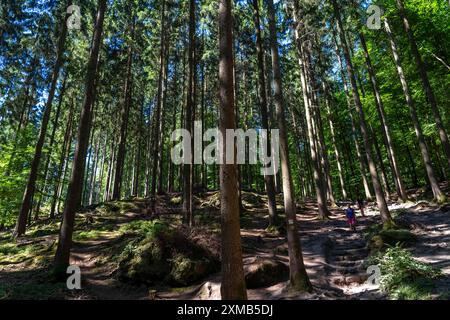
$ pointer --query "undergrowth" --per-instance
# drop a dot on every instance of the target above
(404, 277)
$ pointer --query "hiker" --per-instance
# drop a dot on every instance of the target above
(351, 217)
(361, 206)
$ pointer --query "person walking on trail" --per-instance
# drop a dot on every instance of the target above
(351, 217)
(361, 206)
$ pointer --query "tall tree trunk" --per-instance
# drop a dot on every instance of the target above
(437, 193)
(94, 171)
(384, 179)
(138, 150)
(399, 186)
(62, 160)
(97, 195)
(233, 283)
(171, 169)
(163, 119)
(307, 100)
(425, 82)
(76, 182)
(268, 178)
(320, 138)
(190, 105)
(31, 184)
(157, 112)
(90, 153)
(298, 277)
(381, 201)
(337, 154)
(125, 113)
(362, 163)
(50, 146)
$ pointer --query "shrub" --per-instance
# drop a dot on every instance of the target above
(402, 276)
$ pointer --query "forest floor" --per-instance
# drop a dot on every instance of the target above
(336, 258)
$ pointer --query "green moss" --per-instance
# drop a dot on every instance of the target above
(87, 235)
(164, 254)
(276, 229)
(9, 249)
(115, 207)
(251, 199)
(145, 228)
(401, 236)
(441, 199)
(389, 224)
(186, 270)
(417, 290)
(176, 200)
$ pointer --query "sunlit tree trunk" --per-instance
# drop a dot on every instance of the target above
(399, 186)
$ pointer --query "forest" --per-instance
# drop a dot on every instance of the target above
(118, 179)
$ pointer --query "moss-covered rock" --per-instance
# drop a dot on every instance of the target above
(143, 263)
(168, 255)
(262, 272)
(185, 270)
(401, 236)
(376, 243)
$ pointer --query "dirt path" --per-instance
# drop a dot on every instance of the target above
(333, 256)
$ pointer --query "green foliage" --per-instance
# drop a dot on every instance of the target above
(176, 200)
(142, 228)
(13, 176)
(402, 276)
(86, 235)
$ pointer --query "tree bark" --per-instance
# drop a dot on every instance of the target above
(308, 104)
(62, 160)
(268, 179)
(399, 185)
(337, 154)
(233, 283)
(76, 182)
(362, 163)
(125, 114)
(188, 167)
(384, 179)
(298, 277)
